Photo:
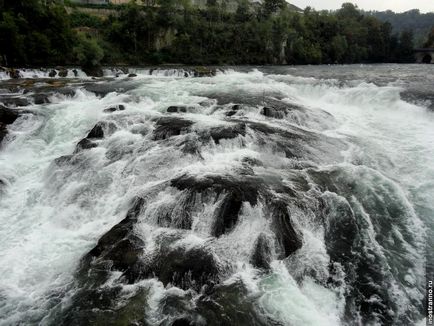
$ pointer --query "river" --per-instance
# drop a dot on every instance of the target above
(258, 196)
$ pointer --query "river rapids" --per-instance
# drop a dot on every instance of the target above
(255, 196)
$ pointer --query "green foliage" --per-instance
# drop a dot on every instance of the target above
(420, 23)
(34, 33)
(79, 19)
(170, 31)
(430, 41)
(87, 52)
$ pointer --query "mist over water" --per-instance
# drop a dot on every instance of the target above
(259, 196)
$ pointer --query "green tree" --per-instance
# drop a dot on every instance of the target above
(87, 52)
(430, 41)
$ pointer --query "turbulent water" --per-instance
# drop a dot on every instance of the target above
(267, 196)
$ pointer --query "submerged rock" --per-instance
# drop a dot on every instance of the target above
(101, 129)
(271, 112)
(167, 127)
(41, 98)
(96, 132)
(243, 188)
(204, 72)
(7, 116)
(85, 143)
(132, 75)
(234, 110)
(184, 321)
(289, 240)
(231, 304)
(63, 73)
(186, 268)
(3, 131)
(177, 109)
(226, 215)
(14, 100)
(115, 108)
(119, 249)
(93, 71)
(262, 252)
(230, 191)
(227, 132)
(14, 73)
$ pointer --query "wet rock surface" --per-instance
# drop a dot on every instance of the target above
(167, 127)
(262, 252)
(238, 209)
(115, 108)
(7, 116)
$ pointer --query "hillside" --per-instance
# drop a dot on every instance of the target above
(420, 23)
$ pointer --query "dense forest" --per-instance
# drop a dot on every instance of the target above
(420, 23)
(45, 32)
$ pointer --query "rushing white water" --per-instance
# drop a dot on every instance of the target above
(52, 214)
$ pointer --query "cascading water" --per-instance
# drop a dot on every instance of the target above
(269, 196)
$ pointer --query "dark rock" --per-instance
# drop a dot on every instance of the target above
(41, 98)
(132, 75)
(186, 268)
(85, 144)
(252, 161)
(243, 188)
(52, 73)
(118, 249)
(137, 206)
(190, 146)
(102, 89)
(204, 72)
(93, 71)
(226, 215)
(184, 321)
(96, 132)
(289, 240)
(227, 132)
(207, 103)
(63, 160)
(63, 73)
(100, 307)
(75, 72)
(271, 112)
(234, 109)
(42, 93)
(176, 109)
(7, 116)
(111, 109)
(167, 127)
(231, 192)
(3, 131)
(14, 101)
(14, 73)
(231, 305)
(231, 113)
(101, 129)
(262, 252)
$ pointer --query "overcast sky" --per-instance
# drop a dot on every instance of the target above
(395, 5)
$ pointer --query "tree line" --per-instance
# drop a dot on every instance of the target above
(419, 23)
(44, 32)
